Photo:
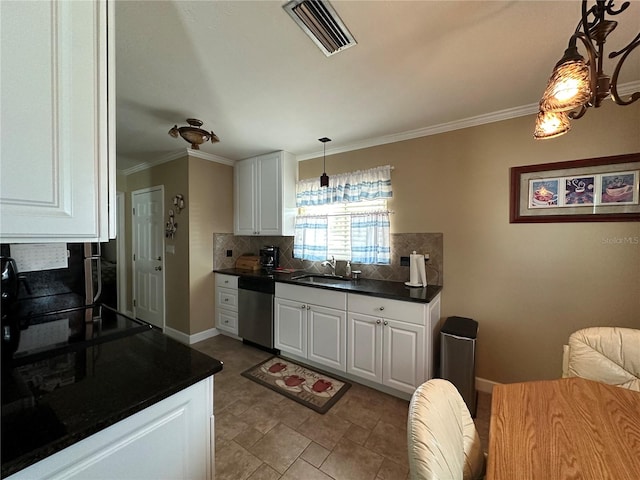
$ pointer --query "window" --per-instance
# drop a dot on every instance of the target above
(339, 217)
(348, 219)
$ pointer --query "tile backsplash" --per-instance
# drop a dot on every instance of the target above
(402, 244)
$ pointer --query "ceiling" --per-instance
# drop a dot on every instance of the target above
(253, 77)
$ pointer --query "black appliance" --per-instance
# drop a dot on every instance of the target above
(255, 310)
(269, 257)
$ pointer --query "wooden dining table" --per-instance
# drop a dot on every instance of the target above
(569, 428)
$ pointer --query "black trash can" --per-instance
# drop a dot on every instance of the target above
(458, 357)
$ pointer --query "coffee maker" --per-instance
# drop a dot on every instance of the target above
(269, 257)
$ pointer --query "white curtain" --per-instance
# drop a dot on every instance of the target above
(370, 238)
(356, 186)
(310, 240)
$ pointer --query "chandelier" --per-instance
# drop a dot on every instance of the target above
(576, 84)
(193, 134)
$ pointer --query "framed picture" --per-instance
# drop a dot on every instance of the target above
(605, 189)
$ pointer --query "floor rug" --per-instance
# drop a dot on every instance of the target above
(309, 387)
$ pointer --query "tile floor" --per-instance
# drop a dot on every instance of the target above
(261, 435)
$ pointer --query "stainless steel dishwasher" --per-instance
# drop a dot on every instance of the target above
(255, 310)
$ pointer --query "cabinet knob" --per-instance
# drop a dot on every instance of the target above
(226, 299)
(378, 322)
(226, 321)
(226, 281)
(157, 269)
(386, 323)
(308, 307)
(303, 307)
(381, 308)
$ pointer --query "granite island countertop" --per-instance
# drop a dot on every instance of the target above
(362, 286)
(54, 399)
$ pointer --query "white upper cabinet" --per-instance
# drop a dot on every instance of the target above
(264, 195)
(57, 100)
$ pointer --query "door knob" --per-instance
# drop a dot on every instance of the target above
(386, 323)
(157, 269)
(378, 322)
(381, 308)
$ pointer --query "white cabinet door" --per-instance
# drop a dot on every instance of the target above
(290, 327)
(245, 193)
(364, 353)
(264, 195)
(55, 116)
(269, 198)
(403, 355)
(327, 336)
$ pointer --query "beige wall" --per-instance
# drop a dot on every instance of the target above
(207, 190)
(528, 285)
(210, 205)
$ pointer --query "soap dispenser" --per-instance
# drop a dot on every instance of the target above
(348, 270)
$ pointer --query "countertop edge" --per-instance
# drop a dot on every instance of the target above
(431, 293)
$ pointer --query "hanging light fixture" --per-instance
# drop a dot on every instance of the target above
(324, 178)
(193, 134)
(575, 84)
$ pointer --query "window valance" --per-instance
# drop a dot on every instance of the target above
(350, 187)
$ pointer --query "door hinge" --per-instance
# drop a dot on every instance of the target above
(134, 257)
(134, 211)
(134, 302)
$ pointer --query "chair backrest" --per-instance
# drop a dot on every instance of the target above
(604, 354)
(442, 439)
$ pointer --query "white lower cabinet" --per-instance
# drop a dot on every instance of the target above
(311, 323)
(391, 341)
(173, 438)
(226, 307)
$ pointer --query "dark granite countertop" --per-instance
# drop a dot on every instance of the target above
(51, 400)
(362, 286)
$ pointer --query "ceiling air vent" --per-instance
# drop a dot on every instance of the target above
(321, 22)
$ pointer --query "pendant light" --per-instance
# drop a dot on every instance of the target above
(324, 178)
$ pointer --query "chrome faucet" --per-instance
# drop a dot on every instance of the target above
(330, 263)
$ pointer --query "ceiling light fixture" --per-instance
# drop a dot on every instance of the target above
(324, 178)
(576, 85)
(193, 134)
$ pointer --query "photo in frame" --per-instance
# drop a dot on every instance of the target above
(605, 189)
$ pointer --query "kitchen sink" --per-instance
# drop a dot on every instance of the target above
(321, 278)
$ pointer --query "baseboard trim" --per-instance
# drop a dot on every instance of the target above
(484, 385)
(190, 339)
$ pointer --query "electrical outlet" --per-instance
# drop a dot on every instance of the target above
(404, 261)
(426, 257)
(229, 253)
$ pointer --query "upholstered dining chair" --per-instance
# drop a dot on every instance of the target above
(442, 439)
(604, 354)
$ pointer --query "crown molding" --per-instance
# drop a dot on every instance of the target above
(500, 115)
(187, 152)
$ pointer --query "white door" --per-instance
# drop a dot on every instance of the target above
(403, 355)
(269, 206)
(148, 246)
(327, 329)
(245, 176)
(364, 333)
(290, 327)
(54, 101)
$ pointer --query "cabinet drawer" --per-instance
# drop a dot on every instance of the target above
(227, 320)
(385, 308)
(315, 296)
(227, 281)
(227, 298)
